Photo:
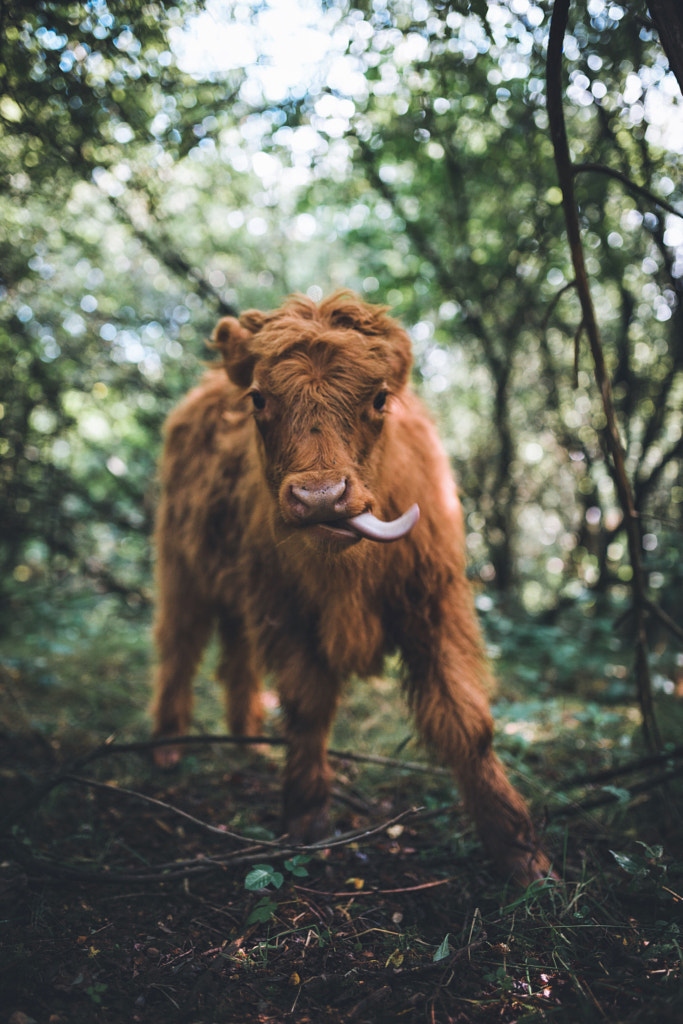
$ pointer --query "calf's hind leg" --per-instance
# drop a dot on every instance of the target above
(182, 628)
(240, 679)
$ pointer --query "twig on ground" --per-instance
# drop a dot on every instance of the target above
(216, 830)
(628, 768)
(254, 851)
(282, 844)
(374, 892)
(633, 791)
(390, 762)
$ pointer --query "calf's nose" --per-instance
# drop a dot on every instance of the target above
(317, 502)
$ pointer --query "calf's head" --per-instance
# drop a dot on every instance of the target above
(322, 379)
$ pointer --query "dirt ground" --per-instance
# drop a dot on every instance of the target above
(115, 909)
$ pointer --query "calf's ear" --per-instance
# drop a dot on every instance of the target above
(233, 339)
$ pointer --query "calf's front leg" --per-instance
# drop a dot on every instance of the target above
(308, 696)
(453, 717)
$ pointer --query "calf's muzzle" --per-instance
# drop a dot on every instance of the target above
(327, 500)
(326, 505)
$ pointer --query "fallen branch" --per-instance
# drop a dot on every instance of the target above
(629, 768)
(374, 892)
(254, 851)
(216, 830)
(109, 748)
(634, 791)
(554, 302)
(390, 762)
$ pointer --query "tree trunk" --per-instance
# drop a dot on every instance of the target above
(668, 18)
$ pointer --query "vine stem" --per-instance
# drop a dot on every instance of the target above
(565, 174)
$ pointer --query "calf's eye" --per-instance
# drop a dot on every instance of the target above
(379, 400)
(258, 400)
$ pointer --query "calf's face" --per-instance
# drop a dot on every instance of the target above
(322, 381)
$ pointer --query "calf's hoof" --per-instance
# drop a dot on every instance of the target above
(526, 867)
(307, 828)
(167, 756)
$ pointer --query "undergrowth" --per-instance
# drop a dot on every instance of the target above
(115, 907)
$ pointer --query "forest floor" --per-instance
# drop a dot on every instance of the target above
(115, 908)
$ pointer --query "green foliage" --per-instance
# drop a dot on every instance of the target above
(433, 187)
(263, 911)
(650, 864)
(297, 865)
(261, 876)
(139, 202)
(96, 991)
(82, 80)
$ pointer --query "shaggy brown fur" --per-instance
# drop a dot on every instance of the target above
(314, 423)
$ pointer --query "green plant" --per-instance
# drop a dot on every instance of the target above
(263, 911)
(96, 991)
(262, 876)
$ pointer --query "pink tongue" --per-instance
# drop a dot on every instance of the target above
(369, 526)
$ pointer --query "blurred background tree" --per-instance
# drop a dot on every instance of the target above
(161, 165)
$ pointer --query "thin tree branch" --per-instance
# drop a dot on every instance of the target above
(609, 798)
(631, 185)
(274, 850)
(176, 263)
(553, 304)
(665, 619)
(283, 843)
(374, 892)
(565, 174)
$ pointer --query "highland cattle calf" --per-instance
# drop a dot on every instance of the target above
(289, 522)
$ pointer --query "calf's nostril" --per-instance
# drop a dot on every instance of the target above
(324, 498)
(341, 496)
(298, 498)
(338, 490)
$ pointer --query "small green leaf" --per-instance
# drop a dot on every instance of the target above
(261, 876)
(656, 852)
(443, 950)
(263, 911)
(296, 864)
(622, 795)
(634, 867)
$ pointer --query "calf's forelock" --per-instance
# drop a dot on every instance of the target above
(368, 343)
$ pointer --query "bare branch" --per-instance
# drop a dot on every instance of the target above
(565, 174)
(631, 185)
(177, 264)
(215, 830)
(553, 305)
(665, 619)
